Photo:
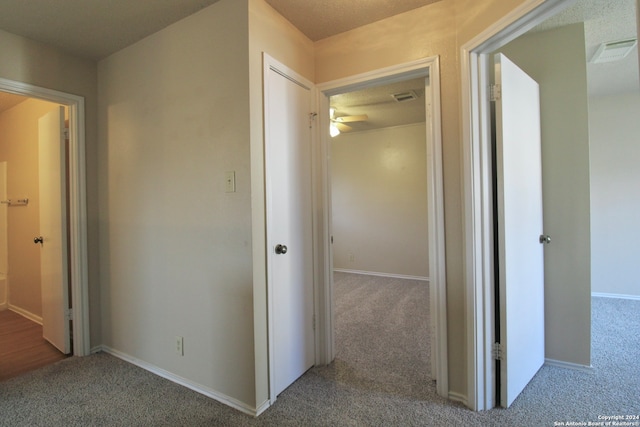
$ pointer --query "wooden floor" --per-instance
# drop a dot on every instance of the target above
(22, 348)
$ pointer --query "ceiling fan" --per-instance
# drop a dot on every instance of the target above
(338, 123)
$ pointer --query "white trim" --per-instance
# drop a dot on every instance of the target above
(375, 273)
(617, 296)
(388, 75)
(78, 204)
(458, 397)
(262, 407)
(199, 388)
(478, 234)
(437, 254)
(27, 314)
(438, 306)
(568, 365)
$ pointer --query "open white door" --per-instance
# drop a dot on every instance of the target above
(53, 230)
(519, 209)
(288, 103)
(4, 256)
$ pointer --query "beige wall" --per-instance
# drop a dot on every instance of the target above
(173, 242)
(441, 29)
(615, 200)
(25, 61)
(19, 148)
(176, 250)
(379, 201)
(438, 29)
(556, 60)
(180, 256)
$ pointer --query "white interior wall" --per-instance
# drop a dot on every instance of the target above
(615, 199)
(379, 198)
(176, 249)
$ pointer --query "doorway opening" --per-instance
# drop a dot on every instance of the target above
(427, 71)
(76, 236)
(477, 169)
(380, 239)
(34, 150)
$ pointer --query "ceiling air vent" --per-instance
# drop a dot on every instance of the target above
(405, 96)
(613, 51)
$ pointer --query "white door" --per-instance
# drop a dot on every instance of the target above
(4, 203)
(288, 102)
(520, 253)
(53, 230)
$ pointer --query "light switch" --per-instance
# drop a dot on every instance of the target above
(230, 182)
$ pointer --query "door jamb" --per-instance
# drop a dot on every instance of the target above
(477, 193)
(77, 200)
(428, 67)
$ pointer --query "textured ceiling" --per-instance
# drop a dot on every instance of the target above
(93, 29)
(380, 107)
(97, 28)
(604, 21)
(319, 19)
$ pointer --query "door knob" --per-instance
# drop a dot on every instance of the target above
(38, 239)
(545, 238)
(281, 249)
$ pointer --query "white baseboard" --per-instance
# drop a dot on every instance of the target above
(568, 365)
(621, 296)
(457, 397)
(373, 273)
(24, 313)
(263, 407)
(199, 388)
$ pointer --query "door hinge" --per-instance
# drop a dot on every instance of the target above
(314, 322)
(65, 133)
(496, 351)
(495, 92)
(69, 314)
(312, 118)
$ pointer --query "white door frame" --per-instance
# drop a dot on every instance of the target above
(477, 169)
(437, 287)
(78, 206)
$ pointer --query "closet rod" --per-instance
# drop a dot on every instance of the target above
(18, 202)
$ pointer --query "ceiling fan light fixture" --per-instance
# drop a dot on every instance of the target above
(333, 130)
(613, 51)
